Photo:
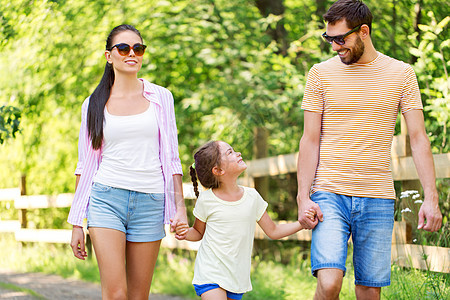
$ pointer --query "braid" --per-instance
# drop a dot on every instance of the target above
(194, 180)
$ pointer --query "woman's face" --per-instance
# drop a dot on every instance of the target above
(130, 63)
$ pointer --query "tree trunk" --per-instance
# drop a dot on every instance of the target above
(260, 151)
(417, 21)
(321, 9)
(279, 33)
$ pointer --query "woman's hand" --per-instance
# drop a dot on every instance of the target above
(77, 243)
(180, 217)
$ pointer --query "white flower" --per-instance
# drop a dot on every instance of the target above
(418, 201)
(405, 210)
(414, 240)
(408, 193)
(415, 196)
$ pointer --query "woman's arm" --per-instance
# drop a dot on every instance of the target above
(77, 242)
(180, 215)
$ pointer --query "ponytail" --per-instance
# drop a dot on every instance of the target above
(194, 180)
(96, 109)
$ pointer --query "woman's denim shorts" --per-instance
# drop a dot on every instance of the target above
(369, 221)
(139, 215)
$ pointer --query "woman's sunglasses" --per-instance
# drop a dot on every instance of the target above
(339, 39)
(124, 49)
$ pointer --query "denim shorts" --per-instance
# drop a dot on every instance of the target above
(139, 215)
(369, 221)
(203, 288)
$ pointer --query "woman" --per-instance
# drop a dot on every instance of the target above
(128, 173)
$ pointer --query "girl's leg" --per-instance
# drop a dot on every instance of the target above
(141, 260)
(215, 294)
(109, 246)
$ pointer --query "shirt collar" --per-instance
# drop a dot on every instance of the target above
(150, 92)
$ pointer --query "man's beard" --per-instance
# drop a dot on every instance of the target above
(355, 53)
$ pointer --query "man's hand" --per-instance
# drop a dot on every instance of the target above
(306, 205)
(430, 217)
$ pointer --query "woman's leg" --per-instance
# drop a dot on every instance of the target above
(141, 260)
(109, 246)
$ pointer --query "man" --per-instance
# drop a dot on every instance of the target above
(350, 107)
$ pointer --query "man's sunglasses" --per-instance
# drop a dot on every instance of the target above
(124, 49)
(339, 39)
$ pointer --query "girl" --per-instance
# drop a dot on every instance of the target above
(226, 214)
(128, 172)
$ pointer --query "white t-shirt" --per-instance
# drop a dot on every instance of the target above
(224, 256)
(130, 156)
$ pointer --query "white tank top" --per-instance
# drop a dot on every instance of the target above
(130, 156)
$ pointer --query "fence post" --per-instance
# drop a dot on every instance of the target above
(23, 191)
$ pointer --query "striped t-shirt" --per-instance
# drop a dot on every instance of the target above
(359, 104)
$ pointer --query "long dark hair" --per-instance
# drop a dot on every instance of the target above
(102, 92)
(206, 158)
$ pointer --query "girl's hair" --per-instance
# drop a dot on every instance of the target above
(102, 92)
(206, 158)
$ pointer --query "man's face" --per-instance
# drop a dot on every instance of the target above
(353, 48)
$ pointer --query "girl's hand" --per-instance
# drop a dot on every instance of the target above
(310, 214)
(77, 243)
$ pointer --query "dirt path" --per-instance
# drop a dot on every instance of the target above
(54, 287)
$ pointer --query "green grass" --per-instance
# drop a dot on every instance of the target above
(12, 287)
(174, 272)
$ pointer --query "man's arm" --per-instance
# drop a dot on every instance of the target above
(308, 159)
(423, 160)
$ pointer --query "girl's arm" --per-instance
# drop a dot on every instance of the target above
(193, 234)
(278, 231)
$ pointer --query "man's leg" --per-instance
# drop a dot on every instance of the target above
(372, 226)
(329, 243)
(329, 283)
(367, 292)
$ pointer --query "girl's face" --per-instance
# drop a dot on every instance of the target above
(130, 63)
(230, 161)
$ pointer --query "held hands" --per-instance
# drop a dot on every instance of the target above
(181, 230)
(180, 217)
(310, 214)
(77, 243)
(307, 205)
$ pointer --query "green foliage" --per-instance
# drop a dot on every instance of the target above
(431, 67)
(227, 74)
(414, 284)
(9, 122)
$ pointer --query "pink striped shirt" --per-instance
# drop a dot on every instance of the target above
(89, 159)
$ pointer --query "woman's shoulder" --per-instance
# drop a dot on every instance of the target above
(152, 87)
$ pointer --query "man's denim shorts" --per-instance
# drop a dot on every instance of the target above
(139, 215)
(369, 221)
(203, 288)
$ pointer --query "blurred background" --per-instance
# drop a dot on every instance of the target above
(236, 68)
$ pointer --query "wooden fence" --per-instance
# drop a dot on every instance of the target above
(404, 253)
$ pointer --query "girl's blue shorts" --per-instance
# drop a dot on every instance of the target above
(203, 288)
